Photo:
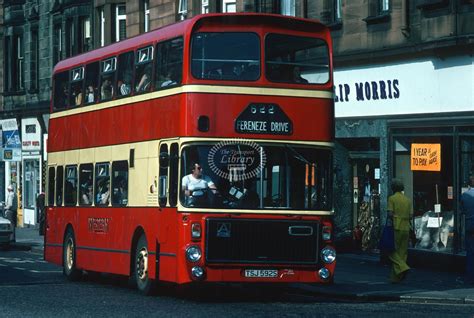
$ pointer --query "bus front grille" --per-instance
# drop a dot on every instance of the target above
(262, 241)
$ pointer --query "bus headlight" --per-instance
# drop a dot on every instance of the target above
(328, 255)
(324, 273)
(193, 253)
(197, 272)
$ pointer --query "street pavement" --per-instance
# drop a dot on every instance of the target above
(359, 277)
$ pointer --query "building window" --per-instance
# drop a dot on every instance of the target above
(146, 18)
(57, 43)
(229, 6)
(288, 7)
(337, 10)
(182, 9)
(70, 38)
(384, 6)
(205, 6)
(102, 26)
(120, 22)
(85, 35)
(20, 62)
(34, 60)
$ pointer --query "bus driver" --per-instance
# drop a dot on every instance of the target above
(195, 185)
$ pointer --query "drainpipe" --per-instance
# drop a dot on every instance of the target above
(405, 25)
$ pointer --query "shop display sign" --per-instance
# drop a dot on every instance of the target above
(10, 140)
(426, 157)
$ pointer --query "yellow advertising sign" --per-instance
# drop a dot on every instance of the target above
(426, 157)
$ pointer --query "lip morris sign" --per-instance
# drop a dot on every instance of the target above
(260, 118)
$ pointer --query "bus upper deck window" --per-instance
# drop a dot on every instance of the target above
(232, 56)
(61, 91)
(296, 59)
(169, 63)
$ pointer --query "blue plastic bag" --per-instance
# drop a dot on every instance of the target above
(387, 240)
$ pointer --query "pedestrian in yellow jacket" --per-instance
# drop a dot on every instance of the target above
(400, 210)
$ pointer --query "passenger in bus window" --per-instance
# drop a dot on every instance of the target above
(196, 186)
(78, 97)
(86, 195)
(297, 78)
(123, 88)
(103, 193)
(106, 90)
(90, 94)
(120, 193)
(169, 79)
(145, 80)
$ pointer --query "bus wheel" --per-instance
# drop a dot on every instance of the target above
(69, 257)
(140, 271)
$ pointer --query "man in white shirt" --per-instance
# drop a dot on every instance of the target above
(11, 206)
(195, 183)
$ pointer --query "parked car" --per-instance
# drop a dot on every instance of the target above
(6, 232)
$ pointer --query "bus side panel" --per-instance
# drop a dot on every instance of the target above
(53, 246)
(167, 238)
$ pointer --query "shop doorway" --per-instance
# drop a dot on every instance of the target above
(366, 202)
(31, 188)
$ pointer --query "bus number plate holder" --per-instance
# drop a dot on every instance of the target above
(259, 273)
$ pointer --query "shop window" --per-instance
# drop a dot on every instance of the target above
(120, 183)
(102, 184)
(107, 79)
(70, 186)
(61, 91)
(92, 83)
(143, 72)
(59, 186)
(76, 87)
(169, 63)
(125, 74)
(86, 196)
(430, 186)
(51, 179)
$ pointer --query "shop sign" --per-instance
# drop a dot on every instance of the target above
(426, 157)
(11, 143)
(31, 135)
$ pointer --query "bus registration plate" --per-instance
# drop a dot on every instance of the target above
(269, 273)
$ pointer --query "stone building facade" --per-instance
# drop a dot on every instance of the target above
(403, 78)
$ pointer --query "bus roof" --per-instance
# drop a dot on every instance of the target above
(185, 27)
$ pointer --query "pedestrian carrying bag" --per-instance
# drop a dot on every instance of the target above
(387, 240)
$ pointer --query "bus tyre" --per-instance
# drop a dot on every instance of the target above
(69, 257)
(141, 266)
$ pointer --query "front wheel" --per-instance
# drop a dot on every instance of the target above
(141, 266)
(69, 257)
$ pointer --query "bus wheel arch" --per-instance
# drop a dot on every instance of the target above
(69, 259)
(140, 264)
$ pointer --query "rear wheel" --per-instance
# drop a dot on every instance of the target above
(69, 257)
(141, 265)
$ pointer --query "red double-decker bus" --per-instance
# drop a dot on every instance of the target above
(198, 152)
